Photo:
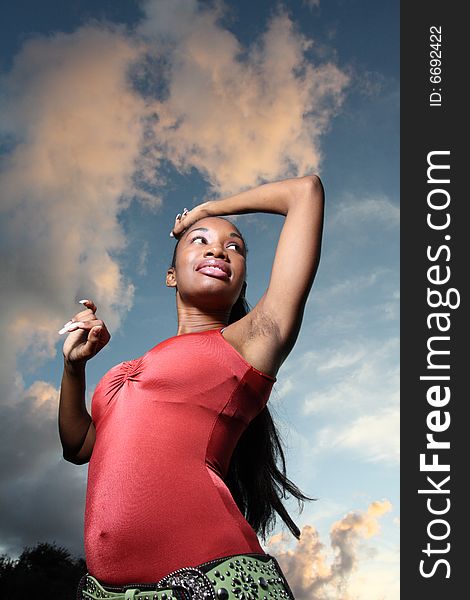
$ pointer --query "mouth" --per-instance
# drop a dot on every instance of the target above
(214, 268)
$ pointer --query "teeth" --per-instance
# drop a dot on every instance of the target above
(215, 267)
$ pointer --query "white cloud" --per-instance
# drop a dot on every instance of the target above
(376, 437)
(359, 284)
(346, 397)
(354, 212)
(368, 379)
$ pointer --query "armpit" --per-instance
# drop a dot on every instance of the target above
(262, 325)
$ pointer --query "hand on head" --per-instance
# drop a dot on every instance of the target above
(187, 218)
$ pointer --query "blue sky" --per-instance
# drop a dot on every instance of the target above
(115, 116)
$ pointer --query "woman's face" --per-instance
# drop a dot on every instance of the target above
(210, 264)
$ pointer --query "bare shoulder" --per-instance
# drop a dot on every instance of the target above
(256, 337)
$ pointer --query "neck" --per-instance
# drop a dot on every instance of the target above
(192, 319)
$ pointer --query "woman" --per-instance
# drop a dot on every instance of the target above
(181, 444)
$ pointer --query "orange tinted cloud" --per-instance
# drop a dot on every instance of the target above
(322, 572)
(75, 128)
(240, 115)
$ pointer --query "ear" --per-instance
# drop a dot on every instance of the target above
(171, 277)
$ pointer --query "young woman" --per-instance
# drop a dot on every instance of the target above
(183, 452)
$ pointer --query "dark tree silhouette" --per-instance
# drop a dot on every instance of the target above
(41, 572)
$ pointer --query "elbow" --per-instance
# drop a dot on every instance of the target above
(314, 187)
(312, 192)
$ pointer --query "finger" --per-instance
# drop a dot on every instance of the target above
(91, 345)
(88, 304)
(182, 222)
(71, 326)
(85, 325)
(90, 309)
(179, 228)
(95, 332)
(84, 315)
(174, 233)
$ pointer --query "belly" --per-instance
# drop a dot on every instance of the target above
(139, 526)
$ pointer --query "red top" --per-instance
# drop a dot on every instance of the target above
(166, 426)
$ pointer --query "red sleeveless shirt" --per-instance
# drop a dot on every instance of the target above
(166, 426)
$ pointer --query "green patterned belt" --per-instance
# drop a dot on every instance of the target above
(237, 577)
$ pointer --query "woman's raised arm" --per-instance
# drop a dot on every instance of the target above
(274, 323)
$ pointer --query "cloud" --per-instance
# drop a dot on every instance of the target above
(354, 212)
(314, 570)
(75, 127)
(240, 115)
(41, 496)
(360, 284)
(376, 437)
(346, 398)
(357, 376)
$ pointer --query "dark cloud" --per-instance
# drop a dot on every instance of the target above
(41, 496)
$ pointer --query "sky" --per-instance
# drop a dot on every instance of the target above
(114, 116)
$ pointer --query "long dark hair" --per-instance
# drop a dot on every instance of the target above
(254, 478)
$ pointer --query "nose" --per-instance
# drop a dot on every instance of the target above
(216, 250)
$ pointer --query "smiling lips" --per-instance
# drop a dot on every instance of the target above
(214, 268)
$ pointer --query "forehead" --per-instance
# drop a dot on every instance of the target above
(214, 225)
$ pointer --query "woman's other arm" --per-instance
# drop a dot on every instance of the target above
(87, 336)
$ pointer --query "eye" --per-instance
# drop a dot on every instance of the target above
(201, 237)
(198, 237)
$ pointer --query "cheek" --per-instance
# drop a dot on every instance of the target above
(243, 267)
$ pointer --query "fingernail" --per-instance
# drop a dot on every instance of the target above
(185, 210)
(64, 328)
(178, 216)
(171, 234)
(73, 326)
(82, 301)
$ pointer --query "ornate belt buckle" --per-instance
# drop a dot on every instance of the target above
(192, 580)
